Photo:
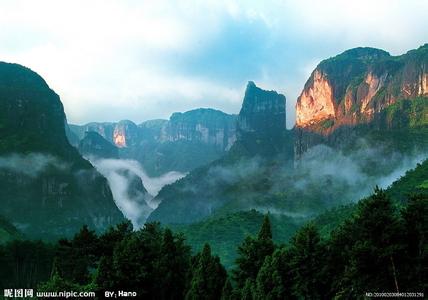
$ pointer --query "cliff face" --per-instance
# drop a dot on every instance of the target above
(261, 123)
(360, 88)
(262, 111)
(354, 86)
(122, 134)
(186, 141)
(241, 178)
(46, 188)
(208, 126)
(95, 145)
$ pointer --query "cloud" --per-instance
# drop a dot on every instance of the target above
(127, 180)
(112, 60)
(355, 174)
(31, 164)
(323, 178)
(128, 194)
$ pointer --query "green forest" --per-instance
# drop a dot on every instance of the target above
(379, 247)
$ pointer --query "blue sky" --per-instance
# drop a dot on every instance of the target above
(139, 60)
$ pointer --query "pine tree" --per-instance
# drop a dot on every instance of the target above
(306, 263)
(273, 280)
(209, 277)
(105, 277)
(172, 268)
(247, 292)
(367, 248)
(415, 237)
(227, 292)
(76, 258)
(252, 253)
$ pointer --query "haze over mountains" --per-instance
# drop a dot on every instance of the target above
(362, 119)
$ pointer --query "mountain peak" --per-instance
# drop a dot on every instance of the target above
(261, 121)
(354, 86)
(364, 53)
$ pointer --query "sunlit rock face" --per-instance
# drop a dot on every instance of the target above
(362, 87)
(316, 103)
(119, 138)
(351, 88)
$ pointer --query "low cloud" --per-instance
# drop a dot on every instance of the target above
(31, 164)
(323, 178)
(132, 189)
(358, 172)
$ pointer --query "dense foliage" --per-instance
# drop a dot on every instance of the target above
(380, 246)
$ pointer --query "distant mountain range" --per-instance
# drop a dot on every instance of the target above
(184, 142)
(362, 119)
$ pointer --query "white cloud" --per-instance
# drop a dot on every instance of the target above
(111, 60)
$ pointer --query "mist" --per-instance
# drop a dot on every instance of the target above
(323, 178)
(133, 190)
(32, 164)
(359, 171)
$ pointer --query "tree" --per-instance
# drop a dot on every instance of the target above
(134, 260)
(113, 236)
(209, 277)
(370, 243)
(227, 292)
(252, 253)
(247, 292)
(273, 280)
(172, 267)
(416, 232)
(306, 263)
(77, 258)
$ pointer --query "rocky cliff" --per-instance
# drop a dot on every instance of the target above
(262, 111)
(46, 188)
(261, 123)
(95, 145)
(208, 126)
(182, 143)
(352, 87)
(122, 134)
(361, 89)
(241, 179)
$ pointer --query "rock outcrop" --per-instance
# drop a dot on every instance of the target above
(352, 87)
(208, 126)
(261, 125)
(361, 88)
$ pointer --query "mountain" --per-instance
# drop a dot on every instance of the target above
(234, 182)
(261, 123)
(46, 188)
(225, 233)
(331, 149)
(95, 145)
(415, 181)
(361, 92)
(184, 142)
